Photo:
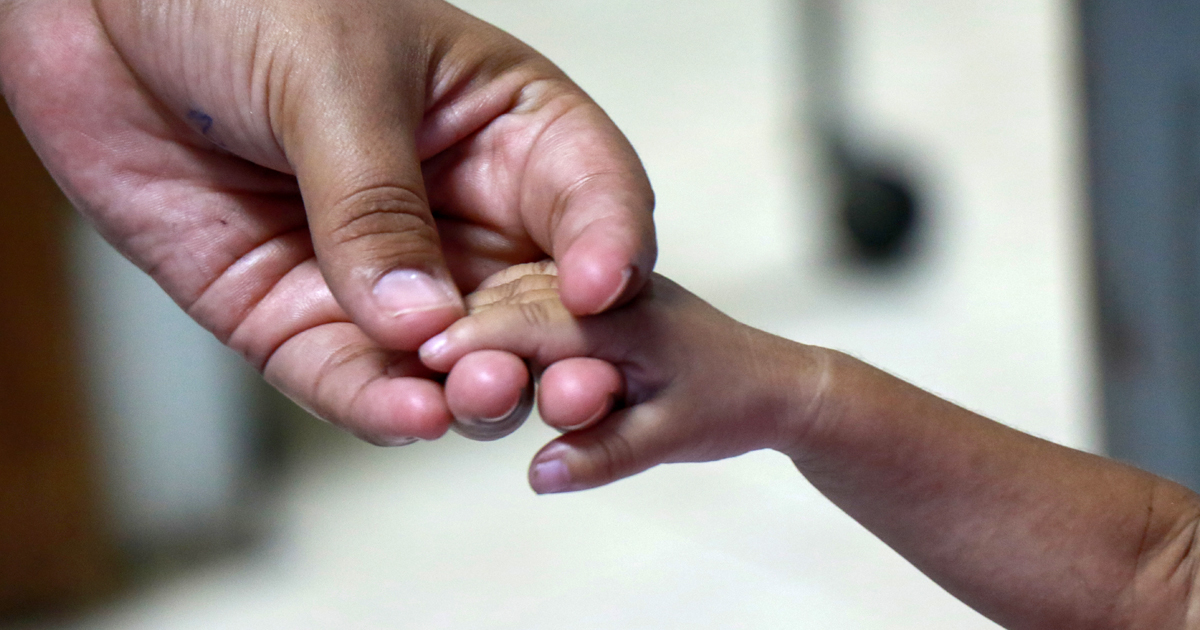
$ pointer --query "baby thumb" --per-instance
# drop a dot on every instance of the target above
(624, 444)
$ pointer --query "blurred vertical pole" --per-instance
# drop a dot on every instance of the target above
(53, 550)
(1143, 99)
(823, 52)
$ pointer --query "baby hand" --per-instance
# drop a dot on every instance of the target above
(688, 384)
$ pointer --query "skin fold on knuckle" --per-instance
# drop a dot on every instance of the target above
(607, 459)
(328, 393)
(515, 273)
(543, 286)
(393, 221)
(534, 315)
(619, 176)
(526, 289)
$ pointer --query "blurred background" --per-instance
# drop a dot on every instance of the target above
(904, 181)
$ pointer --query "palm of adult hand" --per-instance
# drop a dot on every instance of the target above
(199, 186)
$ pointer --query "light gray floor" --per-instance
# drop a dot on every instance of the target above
(994, 315)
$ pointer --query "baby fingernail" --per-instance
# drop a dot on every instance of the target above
(550, 477)
(410, 291)
(434, 346)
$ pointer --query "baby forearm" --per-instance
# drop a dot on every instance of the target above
(1033, 534)
(1030, 533)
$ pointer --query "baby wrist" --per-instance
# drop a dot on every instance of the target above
(812, 417)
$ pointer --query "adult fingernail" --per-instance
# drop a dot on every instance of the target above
(550, 477)
(395, 441)
(488, 429)
(410, 291)
(596, 417)
(626, 276)
(504, 416)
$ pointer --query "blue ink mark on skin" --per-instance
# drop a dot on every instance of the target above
(204, 121)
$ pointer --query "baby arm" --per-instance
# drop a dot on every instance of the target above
(1031, 534)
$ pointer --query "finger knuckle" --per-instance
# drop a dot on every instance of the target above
(535, 314)
(535, 282)
(547, 298)
(391, 210)
(327, 386)
(614, 457)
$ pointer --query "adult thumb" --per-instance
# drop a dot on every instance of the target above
(372, 229)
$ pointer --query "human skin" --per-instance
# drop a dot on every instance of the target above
(1029, 533)
(318, 182)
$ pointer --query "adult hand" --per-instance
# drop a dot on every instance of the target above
(316, 182)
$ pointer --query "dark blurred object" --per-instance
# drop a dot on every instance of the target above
(877, 208)
(54, 553)
(1143, 97)
(879, 212)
